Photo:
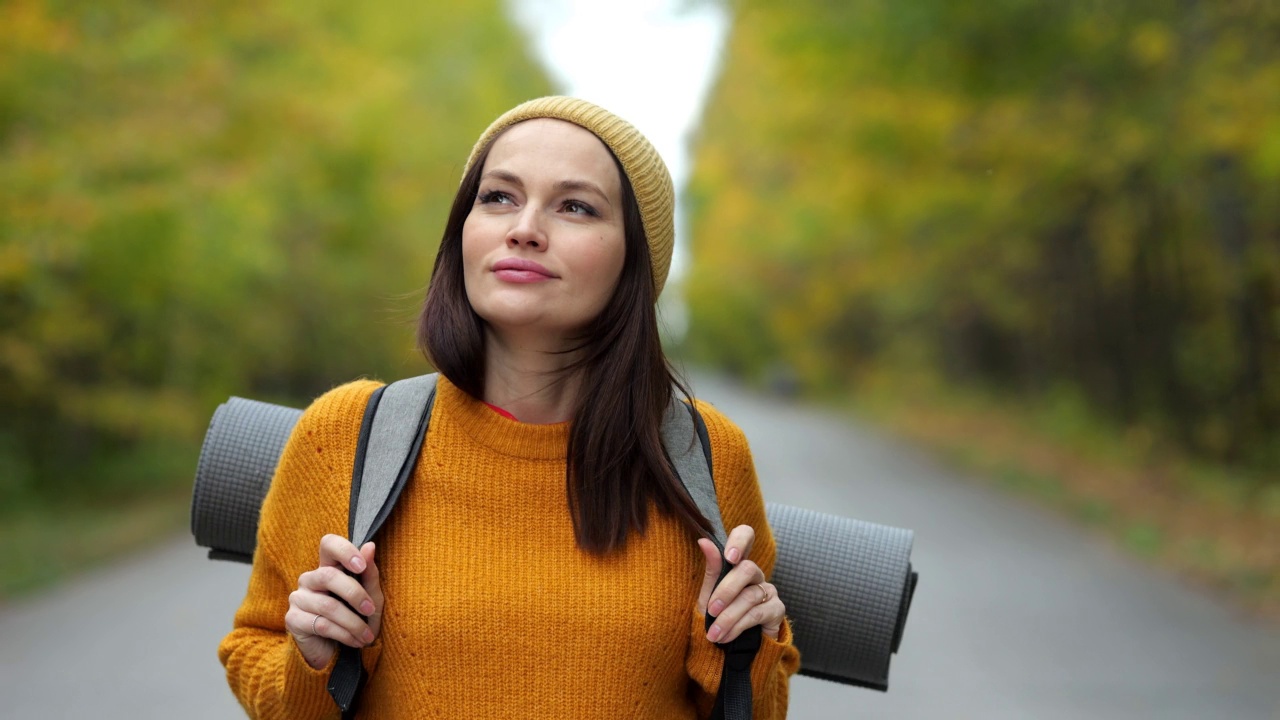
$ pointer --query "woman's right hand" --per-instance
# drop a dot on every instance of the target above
(317, 620)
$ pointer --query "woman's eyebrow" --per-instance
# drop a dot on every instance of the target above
(562, 186)
(504, 176)
(582, 186)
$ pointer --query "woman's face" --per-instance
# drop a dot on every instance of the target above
(543, 246)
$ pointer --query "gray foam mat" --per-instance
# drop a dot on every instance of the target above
(847, 584)
(239, 456)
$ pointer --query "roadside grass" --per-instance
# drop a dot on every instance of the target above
(47, 542)
(1215, 526)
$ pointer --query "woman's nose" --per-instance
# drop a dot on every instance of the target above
(527, 232)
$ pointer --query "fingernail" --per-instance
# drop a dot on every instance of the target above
(366, 608)
(716, 607)
(368, 636)
(732, 555)
(713, 633)
(357, 563)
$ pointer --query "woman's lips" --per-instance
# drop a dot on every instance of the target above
(517, 270)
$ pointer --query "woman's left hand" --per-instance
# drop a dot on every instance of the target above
(744, 599)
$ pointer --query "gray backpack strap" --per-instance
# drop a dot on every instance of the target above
(391, 434)
(684, 435)
(684, 438)
(399, 424)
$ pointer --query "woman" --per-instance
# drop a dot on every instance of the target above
(542, 561)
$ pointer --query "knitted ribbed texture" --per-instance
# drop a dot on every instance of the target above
(491, 609)
(644, 166)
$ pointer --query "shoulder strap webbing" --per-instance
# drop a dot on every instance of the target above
(684, 436)
(391, 436)
(692, 462)
(395, 440)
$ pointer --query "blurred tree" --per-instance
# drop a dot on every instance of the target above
(1072, 198)
(204, 198)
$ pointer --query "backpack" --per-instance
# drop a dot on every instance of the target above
(848, 584)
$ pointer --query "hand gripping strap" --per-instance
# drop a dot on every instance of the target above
(391, 434)
(692, 462)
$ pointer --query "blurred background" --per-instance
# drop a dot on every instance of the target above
(1043, 238)
(205, 199)
(1040, 241)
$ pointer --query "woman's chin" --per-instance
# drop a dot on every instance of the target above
(533, 321)
(518, 311)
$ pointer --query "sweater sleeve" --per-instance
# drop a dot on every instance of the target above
(308, 498)
(741, 503)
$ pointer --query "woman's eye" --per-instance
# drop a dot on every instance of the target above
(576, 207)
(493, 196)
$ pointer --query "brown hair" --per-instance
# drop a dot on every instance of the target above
(616, 465)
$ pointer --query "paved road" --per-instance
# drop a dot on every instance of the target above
(1019, 615)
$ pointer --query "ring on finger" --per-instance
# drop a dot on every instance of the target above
(764, 598)
(314, 620)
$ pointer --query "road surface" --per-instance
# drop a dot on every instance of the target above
(1019, 614)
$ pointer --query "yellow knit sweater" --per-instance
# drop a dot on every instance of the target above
(492, 611)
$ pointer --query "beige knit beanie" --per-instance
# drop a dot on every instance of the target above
(644, 167)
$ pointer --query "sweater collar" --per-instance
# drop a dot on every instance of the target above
(500, 434)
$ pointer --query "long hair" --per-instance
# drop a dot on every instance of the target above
(615, 466)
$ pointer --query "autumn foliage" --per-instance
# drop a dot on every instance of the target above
(1072, 199)
(206, 198)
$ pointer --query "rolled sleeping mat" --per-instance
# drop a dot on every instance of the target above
(847, 584)
(237, 461)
